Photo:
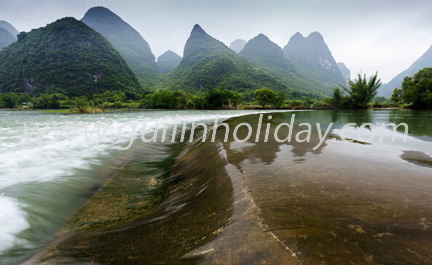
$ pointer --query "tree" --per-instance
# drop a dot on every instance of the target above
(81, 101)
(279, 99)
(397, 95)
(362, 91)
(9, 100)
(181, 99)
(265, 96)
(221, 98)
(418, 89)
(336, 101)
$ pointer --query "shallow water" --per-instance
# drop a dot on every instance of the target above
(364, 202)
(43, 183)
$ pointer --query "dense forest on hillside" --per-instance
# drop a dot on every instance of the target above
(131, 45)
(66, 56)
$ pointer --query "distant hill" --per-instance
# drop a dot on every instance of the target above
(207, 61)
(5, 38)
(11, 29)
(269, 57)
(168, 61)
(237, 45)
(312, 58)
(346, 73)
(66, 56)
(424, 61)
(131, 45)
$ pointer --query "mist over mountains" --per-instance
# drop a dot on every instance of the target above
(312, 57)
(207, 61)
(11, 29)
(304, 67)
(168, 61)
(131, 45)
(8, 34)
(425, 60)
(237, 45)
(5, 38)
(346, 73)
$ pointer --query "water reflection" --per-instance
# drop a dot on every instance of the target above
(344, 203)
(418, 158)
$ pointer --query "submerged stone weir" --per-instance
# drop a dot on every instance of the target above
(258, 202)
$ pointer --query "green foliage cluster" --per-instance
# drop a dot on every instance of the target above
(13, 100)
(108, 99)
(266, 96)
(416, 90)
(67, 55)
(212, 99)
(360, 92)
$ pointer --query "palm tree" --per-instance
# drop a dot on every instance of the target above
(362, 91)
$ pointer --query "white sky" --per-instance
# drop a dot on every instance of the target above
(367, 35)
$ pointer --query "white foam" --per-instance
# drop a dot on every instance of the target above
(12, 222)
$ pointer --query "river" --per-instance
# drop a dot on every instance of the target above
(339, 202)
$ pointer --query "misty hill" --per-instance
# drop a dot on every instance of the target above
(207, 61)
(11, 29)
(346, 73)
(237, 45)
(311, 57)
(425, 60)
(269, 57)
(66, 56)
(168, 61)
(5, 38)
(131, 45)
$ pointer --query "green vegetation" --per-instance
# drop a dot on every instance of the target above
(417, 90)
(269, 57)
(212, 99)
(131, 45)
(208, 61)
(313, 62)
(397, 95)
(86, 110)
(265, 96)
(13, 100)
(68, 65)
(64, 57)
(360, 94)
(361, 91)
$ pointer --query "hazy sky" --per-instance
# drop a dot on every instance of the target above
(367, 35)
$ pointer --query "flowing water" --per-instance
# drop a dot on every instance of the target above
(43, 183)
(363, 202)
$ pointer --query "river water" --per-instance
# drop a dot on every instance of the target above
(43, 182)
(307, 200)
